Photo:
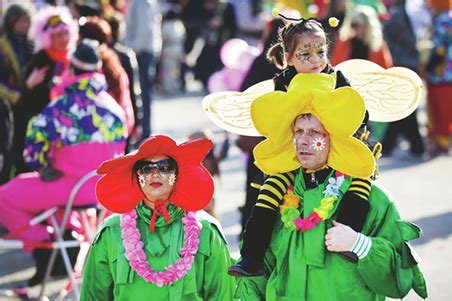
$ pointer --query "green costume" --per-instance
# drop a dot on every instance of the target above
(108, 275)
(299, 267)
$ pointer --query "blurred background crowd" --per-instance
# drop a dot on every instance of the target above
(150, 48)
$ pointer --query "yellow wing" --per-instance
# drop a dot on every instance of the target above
(231, 110)
(390, 94)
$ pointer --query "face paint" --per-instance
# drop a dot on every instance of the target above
(310, 51)
(311, 141)
(318, 144)
(310, 54)
(157, 177)
(142, 181)
(171, 179)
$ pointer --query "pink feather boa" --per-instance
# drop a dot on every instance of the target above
(41, 38)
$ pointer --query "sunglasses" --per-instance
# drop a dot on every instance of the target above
(53, 22)
(166, 166)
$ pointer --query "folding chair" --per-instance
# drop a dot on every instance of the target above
(90, 222)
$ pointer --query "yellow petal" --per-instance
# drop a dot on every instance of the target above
(340, 112)
(351, 157)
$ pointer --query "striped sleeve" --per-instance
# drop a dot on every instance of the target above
(275, 187)
(362, 246)
(360, 187)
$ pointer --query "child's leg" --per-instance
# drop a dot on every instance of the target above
(258, 231)
(355, 204)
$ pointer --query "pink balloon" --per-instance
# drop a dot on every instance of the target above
(215, 83)
(247, 58)
(233, 78)
(231, 51)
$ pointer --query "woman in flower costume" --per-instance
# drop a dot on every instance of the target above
(158, 248)
(302, 261)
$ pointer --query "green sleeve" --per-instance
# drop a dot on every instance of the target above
(97, 279)
(390, 268)
(217, 284)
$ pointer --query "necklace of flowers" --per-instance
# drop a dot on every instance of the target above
(137, 258)
(289, 210)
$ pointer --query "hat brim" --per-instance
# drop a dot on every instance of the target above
(340, 111)
(119, 191)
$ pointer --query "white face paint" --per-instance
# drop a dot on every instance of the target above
(172, 179)
(311, 141)
(142, 181)
(156, 179)
(318, 144)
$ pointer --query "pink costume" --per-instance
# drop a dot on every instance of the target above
(73, 134)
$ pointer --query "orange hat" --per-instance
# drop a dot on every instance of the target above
(118, 189)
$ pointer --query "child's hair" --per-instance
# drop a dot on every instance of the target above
(12, 15)
(289, 37)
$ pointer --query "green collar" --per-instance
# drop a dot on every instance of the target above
(300, 185)
(314, 239)
(145, 214)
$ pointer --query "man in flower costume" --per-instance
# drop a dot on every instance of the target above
(158, 248)
(307, 131)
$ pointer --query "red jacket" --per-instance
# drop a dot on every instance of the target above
(342, 52)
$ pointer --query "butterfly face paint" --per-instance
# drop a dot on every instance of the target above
(310, 54)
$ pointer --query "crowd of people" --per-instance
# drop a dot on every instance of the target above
(76, 87)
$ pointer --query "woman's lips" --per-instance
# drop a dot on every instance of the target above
(155, 184)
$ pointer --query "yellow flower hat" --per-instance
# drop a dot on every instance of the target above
(340, 111)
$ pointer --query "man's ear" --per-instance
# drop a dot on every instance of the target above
(288, 59)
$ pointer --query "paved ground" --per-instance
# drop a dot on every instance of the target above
(422, 190)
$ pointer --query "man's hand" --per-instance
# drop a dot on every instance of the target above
(340, 238)
(36, 77)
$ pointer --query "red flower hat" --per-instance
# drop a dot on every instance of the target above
(118, 189)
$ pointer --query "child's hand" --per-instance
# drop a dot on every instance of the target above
(340, 238)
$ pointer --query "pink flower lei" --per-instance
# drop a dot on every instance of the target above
(137, 258)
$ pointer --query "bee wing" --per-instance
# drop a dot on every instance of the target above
(231, 110)
(390, 94)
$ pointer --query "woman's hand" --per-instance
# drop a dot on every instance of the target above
(340, 238)
(36, 77)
